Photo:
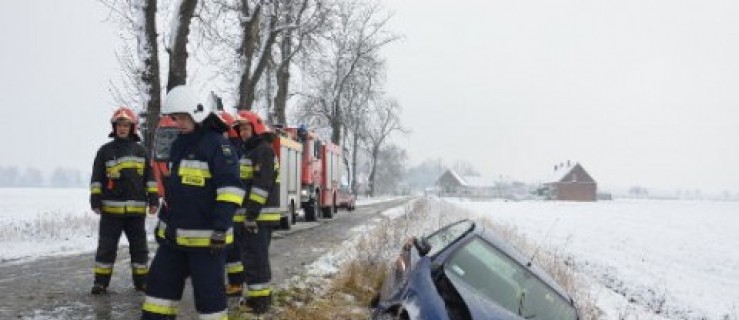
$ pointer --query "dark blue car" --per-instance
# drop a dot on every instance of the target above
(465, 271)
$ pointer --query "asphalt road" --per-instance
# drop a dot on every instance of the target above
(59, 287)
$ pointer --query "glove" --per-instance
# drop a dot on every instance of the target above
(217, 241)
(251, 227)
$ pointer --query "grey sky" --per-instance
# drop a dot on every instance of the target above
(57, 59)
(639, 92)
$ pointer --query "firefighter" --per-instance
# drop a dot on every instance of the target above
(261, 206)
(121, 187)
(203, 190)
(234, 266)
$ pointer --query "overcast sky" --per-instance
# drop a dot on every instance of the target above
(640, 92)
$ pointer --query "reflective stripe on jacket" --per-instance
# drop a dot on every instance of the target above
(203, 190)
(259, 171)
(122, 183)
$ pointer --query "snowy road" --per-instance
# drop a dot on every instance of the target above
(58, 287)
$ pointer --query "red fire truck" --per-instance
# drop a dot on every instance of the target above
(321, 174)
(288, 153)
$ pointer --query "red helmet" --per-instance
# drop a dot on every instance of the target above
(125, 113)
(254, 120)
(230, 121)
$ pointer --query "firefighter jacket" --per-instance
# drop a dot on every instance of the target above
(203, 190)
(122, 183)
(260, 172)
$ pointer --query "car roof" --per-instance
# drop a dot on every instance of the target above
(489, 235)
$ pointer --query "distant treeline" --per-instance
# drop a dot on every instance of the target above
(12, 176)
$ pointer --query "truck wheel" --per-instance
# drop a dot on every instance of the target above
(293, 213)
(310, 212)
(328, 212)
(286, 221)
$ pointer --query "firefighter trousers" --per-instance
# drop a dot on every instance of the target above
(234, 266)
(109, 233)
(257, 271)
(169, 270)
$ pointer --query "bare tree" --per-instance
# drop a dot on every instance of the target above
(358, 31)
(466, 168)
(259, 30)
(357, 99)
(392, 160)
(177, 43)
(140, 86)
(238, 38)
(384, 121)
(303, 20)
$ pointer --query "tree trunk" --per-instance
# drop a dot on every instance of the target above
(150, 76)
(355, 155)
(336, 124)
(283, 77)
(249, 45)
(178, 52)
(373, 170)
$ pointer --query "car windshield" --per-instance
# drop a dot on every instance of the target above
(445, 236)
(501, 279)
(163, 139)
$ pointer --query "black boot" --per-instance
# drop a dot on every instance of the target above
(140, 286)
(99, 288)
(260, 305)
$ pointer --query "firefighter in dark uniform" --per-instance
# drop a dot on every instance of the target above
(261, 205)
(234, 266)
(122, 187)
(202, 193)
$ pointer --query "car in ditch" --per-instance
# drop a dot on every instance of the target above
(466, 271)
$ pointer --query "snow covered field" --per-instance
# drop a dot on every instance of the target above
(39, 222)
(643, 259)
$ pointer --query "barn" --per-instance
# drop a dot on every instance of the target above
(571, 183)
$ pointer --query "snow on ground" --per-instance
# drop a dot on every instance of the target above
(678, 258)
(37, 222)
(364, 201)
(41, 222)
(330, 262)
(639, 256)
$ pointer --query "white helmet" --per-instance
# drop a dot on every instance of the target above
(181, 99)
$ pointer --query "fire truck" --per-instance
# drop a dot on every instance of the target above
(321, 174)
(288, 154)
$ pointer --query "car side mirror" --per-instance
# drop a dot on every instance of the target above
(422, 245)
